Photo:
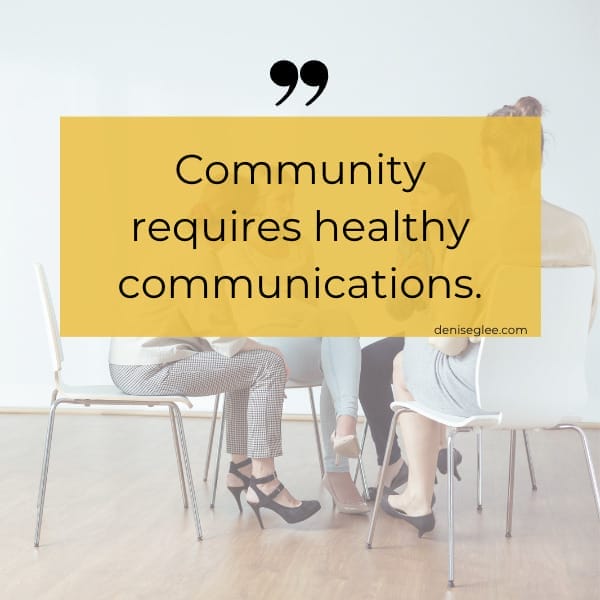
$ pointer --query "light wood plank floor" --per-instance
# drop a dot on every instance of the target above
(114, 526)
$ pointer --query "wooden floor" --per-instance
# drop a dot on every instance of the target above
(114, 526)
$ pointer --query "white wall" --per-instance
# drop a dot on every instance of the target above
(185, 57)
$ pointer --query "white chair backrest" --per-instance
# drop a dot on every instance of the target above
(535, 382)
(52, 331)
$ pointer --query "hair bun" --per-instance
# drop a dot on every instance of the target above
(529, 106)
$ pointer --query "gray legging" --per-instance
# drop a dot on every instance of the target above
(333, 363)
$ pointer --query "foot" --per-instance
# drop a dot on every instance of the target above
(343, 490)
(234, 480)
(344, 440)
(284, 497)
(413, 507)
(422, 523)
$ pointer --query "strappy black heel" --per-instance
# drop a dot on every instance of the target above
(234, 469)
(289, 514)
(442, 462)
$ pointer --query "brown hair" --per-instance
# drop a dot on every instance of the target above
(527, 106)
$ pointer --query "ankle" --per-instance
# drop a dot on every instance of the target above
(419, 503)
(262, 467)
(345, 425)
(283, 498)
(238, 476)
(263, 485)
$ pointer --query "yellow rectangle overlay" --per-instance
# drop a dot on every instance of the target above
(320, 226)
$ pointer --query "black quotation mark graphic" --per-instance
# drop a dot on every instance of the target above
(313, 73)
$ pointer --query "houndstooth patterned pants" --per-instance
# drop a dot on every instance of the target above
(253, 382)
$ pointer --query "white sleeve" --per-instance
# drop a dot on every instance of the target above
(227, 346)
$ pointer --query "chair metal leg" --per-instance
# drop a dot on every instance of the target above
(178, 457)
(44, 475)
(386, 460)
(219, 450)
(479, 475)
(362, 448)
(365, 485)
(511, 482)
(588, 458)
(211, 437)
(188, 468)
(316, 426)
(529, 461)
(450, 464)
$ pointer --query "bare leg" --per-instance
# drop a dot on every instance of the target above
(421, 440)
(443, 437)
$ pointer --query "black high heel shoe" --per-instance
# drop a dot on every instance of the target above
(423, 524)
(442, 462)
(400, 479)
(289, 514)
(234, 469)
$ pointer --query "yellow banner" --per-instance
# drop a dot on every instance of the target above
(300, 226)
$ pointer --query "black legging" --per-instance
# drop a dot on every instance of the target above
(376, 393)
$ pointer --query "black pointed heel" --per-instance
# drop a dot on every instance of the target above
(237, 492)
(422, 524)
(290, 514)
(400, 479)
(234, 469)
(442, 462)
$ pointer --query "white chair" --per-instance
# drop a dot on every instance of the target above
(104, 395)
(290, 385)
(524, 383)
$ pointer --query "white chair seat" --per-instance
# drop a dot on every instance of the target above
(290, 384)
(456, 421)
(111, 393)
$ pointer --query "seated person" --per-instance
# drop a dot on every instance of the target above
(441, 372)
(253, 378)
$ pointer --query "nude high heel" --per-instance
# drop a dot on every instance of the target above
(359, 508)
(345, 445)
